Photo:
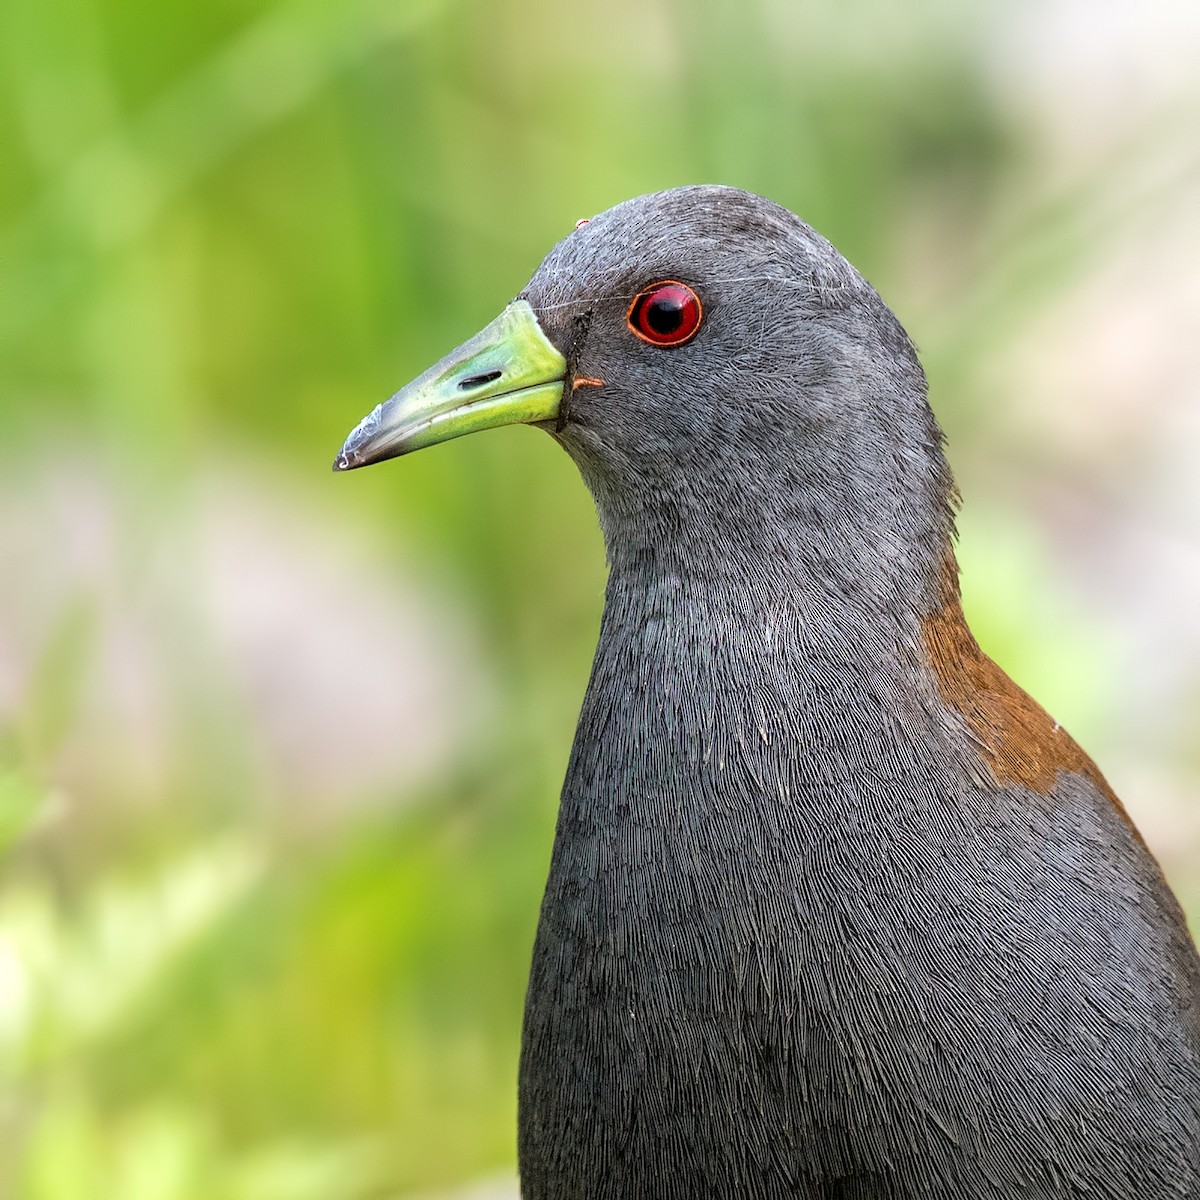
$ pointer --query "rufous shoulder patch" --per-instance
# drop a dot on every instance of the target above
(1018, 740)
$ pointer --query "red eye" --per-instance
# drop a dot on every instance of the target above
(667, 314)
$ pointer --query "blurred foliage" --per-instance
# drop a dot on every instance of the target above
(226, 231)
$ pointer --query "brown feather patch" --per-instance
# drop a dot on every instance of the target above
(1018, 740)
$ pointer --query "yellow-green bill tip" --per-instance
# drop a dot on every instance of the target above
(508, 373)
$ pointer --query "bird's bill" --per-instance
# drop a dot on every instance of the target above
(509, 373)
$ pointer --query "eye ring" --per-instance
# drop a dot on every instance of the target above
(665, 314)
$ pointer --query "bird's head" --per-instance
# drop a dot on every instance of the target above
(717, 370)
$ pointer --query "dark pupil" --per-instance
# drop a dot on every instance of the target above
(664, 312)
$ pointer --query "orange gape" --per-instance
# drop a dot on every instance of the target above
(1017, 738)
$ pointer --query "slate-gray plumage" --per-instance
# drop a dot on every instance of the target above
(833, 910)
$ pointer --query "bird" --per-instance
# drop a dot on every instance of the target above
(835, 909)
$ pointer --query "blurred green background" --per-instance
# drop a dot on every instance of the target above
(280, 750)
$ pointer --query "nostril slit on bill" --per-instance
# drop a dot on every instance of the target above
(474, 381)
